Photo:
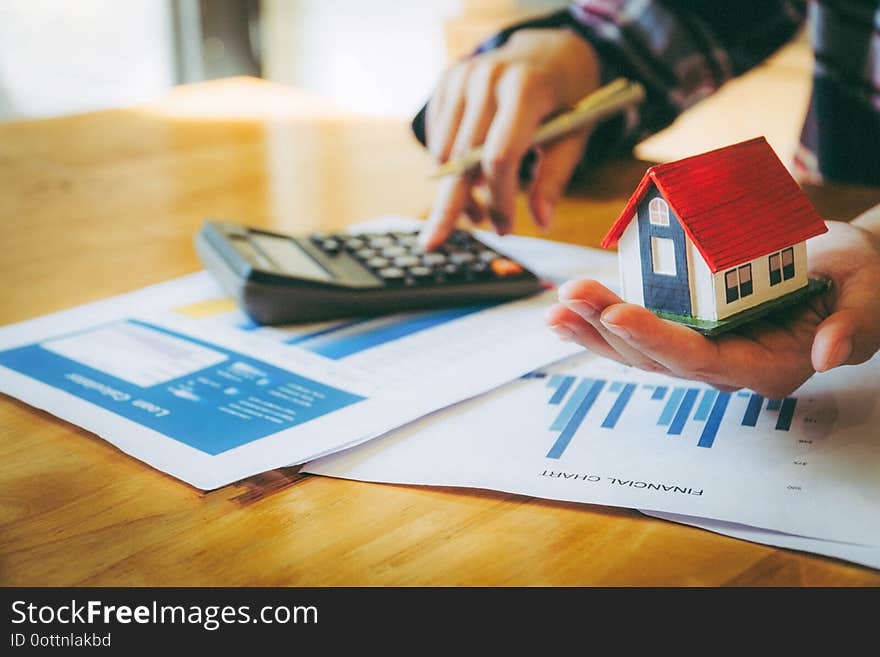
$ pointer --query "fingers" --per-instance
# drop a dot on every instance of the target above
(731, 360)
(445, 110)
(453, 194)
(587, 299)
(569, 326)
(847, 337)
(524, 99)
(556, 163)
(644, 340)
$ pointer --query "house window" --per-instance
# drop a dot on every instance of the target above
(788, 264)
(775, 269)
(738, 283)
(731, 282)
(781, 266)
(663, 256)
(745, 280)
(658, 212)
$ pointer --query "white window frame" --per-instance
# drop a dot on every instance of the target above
(658, 212)
(664, 266)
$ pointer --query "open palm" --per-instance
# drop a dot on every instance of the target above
(772, 356)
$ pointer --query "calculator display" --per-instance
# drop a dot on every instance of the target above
(288, 257)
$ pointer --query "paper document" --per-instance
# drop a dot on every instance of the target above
(591, 430)
(866, 555)
(176, 376)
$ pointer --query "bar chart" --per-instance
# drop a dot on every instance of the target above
(344, 339)
(675, 408)
(339, 339)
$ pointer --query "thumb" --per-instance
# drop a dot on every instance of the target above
(847, 337)
(556, 163)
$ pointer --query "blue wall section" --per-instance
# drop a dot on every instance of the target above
(670, 294)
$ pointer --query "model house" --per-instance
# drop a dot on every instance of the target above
(708, 237)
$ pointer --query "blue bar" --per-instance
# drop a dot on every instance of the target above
(622, 400)
(742, 394)
(571, 405)
(714, 421)
(249, 325)
(659, 392)
(786, 413)
(774, 404)
(554, 381)
(534, 375)
(338, 347)
(562, 390)
(684, 410)
(750, 419)
(705, 404)
(308, 337)
(671, 405)
(574, 422)
(615, 387)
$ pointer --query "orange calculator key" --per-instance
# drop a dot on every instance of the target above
(506, 267)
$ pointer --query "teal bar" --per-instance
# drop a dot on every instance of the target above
(706, 404)
(671, 406)
(571, 405)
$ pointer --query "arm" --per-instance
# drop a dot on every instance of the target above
(681, 50)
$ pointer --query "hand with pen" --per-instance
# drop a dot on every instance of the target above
(499, 99)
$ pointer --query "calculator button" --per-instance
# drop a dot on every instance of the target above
(421, 273)
(479, 269)
(392, 274)
(433, 259)
(462, 258)
(408, 240)
(506, 267)
(406, 261)
(330, 246)
(393, 251)
(354, 244)
(378, 263)
(488, 256)
(459, 237)
(451, 271)
(365, 254)
(318, 238)
(380, 242)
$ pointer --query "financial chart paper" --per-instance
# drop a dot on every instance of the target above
(593, 431)
(176, 376)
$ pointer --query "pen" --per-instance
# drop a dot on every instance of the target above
(606, 101)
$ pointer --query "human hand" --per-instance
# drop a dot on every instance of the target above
(499, 99)
(772, 356)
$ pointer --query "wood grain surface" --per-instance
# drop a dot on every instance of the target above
(105, 203)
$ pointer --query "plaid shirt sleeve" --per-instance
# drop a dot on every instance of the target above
(684, 50)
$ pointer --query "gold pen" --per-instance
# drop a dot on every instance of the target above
(606, 101)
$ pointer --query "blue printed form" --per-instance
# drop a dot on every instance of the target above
(197, 393)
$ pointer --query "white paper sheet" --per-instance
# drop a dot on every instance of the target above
(593, 431)
(865, 555)
(175, 376)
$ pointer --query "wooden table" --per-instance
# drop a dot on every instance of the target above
(105, 203)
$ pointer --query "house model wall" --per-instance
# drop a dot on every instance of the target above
(739, 242)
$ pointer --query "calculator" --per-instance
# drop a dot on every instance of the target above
(287, 279)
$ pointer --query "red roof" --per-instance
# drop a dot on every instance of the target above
(736, 203)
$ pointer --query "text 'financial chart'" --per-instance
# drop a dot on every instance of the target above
(674, 406)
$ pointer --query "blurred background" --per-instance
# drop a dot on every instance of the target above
(380, 57)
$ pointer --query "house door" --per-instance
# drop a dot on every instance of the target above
(664, 258)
